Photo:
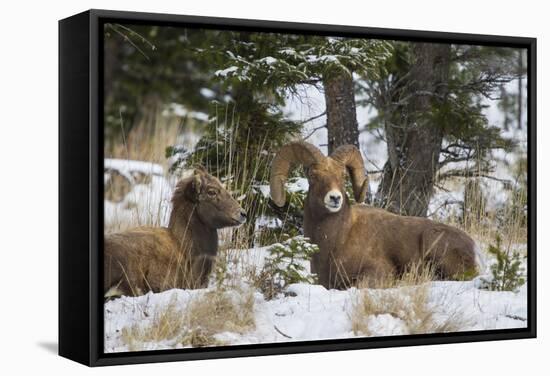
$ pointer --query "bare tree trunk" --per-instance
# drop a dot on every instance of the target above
(520, 89)
(415, 134)
(341, 114)
(506, 121)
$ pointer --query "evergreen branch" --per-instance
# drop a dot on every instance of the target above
(143, 39)
(129, 40)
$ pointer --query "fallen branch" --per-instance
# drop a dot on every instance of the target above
(515, 317)
(281, 333)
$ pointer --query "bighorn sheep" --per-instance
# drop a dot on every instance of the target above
(359, 241)
(179, 256)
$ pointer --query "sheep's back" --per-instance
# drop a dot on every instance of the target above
(140, 258)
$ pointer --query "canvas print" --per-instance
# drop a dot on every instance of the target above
(266, 187)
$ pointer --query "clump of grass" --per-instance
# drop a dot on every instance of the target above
(147, 140)
(196, 324)
(218, 311)
(166, 324)
(406, 298)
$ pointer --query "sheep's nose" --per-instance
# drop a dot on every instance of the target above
(335, 198)
(240, 216)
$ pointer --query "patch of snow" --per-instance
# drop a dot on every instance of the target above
(269, 60)
(127, 167)
(145, 204)
(263, 189)
(292, 185)
(200, 116)
(225, 72)
(175, 109)
(181, 111)
(288, 51)
(297, 185)
(207, 93)
(269, 222)
(321, 59)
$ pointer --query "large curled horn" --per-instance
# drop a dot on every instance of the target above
(289, 156)
(351, 157)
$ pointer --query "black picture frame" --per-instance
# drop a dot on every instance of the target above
(81, 193)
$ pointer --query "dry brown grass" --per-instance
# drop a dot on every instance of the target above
(484, 224)
(196, 324)
(166, 324)
(406, 298)
(148, 141)
(218, 312)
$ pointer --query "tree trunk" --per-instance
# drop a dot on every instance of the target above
(520, 89)
(341, 115)
(415, 134)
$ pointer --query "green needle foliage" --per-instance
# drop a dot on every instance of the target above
(284, 265)
(507, 273)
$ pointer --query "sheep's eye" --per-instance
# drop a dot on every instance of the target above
(212, 192)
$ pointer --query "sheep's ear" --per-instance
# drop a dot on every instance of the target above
(194, 188)
(200, 169)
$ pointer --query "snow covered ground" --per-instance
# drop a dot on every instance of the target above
(311, 312)
(147, 203)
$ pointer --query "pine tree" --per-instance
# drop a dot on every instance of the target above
(430, 108)
(507, 272)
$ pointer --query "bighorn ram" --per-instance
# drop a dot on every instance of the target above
(359, 241)
(181, 255)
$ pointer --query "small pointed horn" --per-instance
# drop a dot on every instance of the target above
(289, 156)
(351, 157)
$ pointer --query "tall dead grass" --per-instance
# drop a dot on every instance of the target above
(195, 324)
(147, 140)
(406, 298)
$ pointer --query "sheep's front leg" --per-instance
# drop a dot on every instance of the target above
(200, 271)
(362, 269)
